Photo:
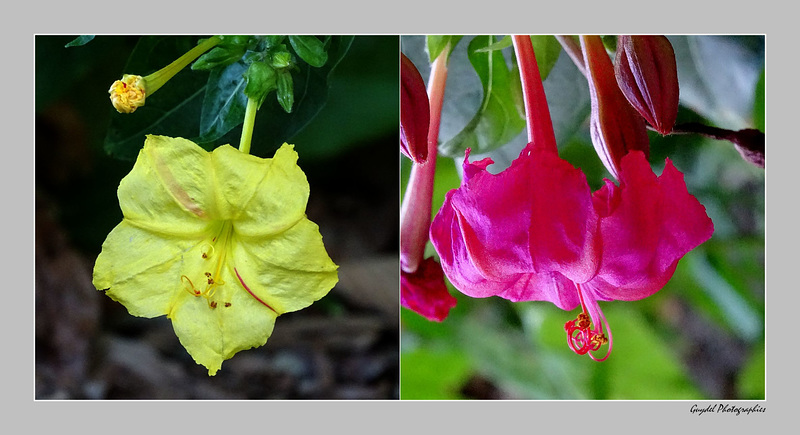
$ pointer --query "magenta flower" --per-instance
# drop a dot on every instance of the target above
(535, 232)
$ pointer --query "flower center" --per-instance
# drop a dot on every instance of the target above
(215, 254)
(582, 336)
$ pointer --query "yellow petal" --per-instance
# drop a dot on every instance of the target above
(218, 242)
(288, 271)
(170, 188)
(213, 330)
(142, 269)
(267, 196)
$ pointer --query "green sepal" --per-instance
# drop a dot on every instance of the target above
(261, 80)
(285, 90)
(236, 41)
(310, 49)
(282, 59)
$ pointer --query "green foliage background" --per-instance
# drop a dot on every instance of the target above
(701, 337)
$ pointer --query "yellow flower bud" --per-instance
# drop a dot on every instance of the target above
(128, 94)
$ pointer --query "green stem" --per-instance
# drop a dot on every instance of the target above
(159, 78)
(247, 127)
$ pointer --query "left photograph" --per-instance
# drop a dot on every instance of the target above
(217, 217)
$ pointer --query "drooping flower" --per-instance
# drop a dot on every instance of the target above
(218, 242)
(647, 74)
(536, 232)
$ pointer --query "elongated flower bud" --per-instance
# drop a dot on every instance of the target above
(648, 77)
(414, 113)
(616, 128)
(129, 93)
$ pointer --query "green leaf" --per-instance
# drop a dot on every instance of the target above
(80, 40)
(208, 107)
(500, 116)
(499, 45)
(225, 102)
(547, 49)
(363, 103)
(219, 57)
(310, 49)
(273, 124)
(436, 43)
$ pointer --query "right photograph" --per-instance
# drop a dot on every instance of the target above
(582, 217)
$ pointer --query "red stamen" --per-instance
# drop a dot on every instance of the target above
(581, 337)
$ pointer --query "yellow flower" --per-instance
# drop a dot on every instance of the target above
(218, 242)
(128, 94)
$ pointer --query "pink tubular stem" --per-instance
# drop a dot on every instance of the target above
(415, 215)
(540, 125)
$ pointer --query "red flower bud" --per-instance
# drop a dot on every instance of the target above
(648, 77)
(414, 113)
(616, 128)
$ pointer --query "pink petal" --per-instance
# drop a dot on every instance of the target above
(647, 224)
(425, 292)
(506, 234)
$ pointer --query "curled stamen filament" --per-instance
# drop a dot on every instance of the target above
(190, 287)
(582, 338)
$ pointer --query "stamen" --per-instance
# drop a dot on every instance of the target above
(190, 288)
(582, 338)
(209, 252)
